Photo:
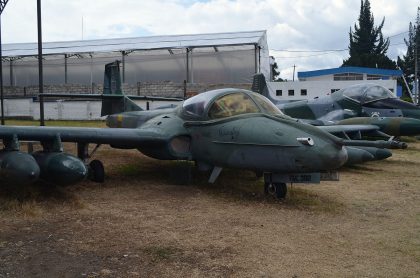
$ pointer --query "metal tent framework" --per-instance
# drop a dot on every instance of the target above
(200, 58)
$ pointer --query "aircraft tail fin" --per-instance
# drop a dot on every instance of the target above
(259, 85)
(114, 101)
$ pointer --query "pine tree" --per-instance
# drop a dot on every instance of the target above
(367, 45)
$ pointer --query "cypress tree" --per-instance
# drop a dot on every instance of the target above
(367, 46)
(407, 61)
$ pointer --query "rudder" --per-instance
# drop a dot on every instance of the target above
(259, 85)
(113, 99)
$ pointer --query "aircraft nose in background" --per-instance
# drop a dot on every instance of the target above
(409, 126)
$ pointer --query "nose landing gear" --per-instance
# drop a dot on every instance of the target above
(278, 190)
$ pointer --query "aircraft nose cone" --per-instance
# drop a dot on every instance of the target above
(366, 156)
(357, 155)
(382, 154)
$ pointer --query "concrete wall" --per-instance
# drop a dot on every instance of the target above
(163, 89)
(56, 110)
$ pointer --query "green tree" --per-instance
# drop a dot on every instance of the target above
(275, 72)
(407, 61)
(367, 44)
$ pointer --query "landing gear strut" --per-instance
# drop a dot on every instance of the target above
(278, 190)
(96, 168)
(275, 185)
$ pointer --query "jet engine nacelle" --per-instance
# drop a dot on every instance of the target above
(18, 168)
(60, 168)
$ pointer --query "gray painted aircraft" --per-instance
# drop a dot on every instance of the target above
(365, 104)
(231, 128)
(352, 128)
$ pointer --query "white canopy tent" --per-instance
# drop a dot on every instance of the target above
(200, 58)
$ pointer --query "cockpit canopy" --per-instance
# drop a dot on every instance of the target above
(365, 93)
(224, 103)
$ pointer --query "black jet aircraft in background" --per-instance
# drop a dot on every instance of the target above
(364, 104)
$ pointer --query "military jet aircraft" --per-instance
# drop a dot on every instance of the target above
(365, 104)
(221, 128)
(363, 100)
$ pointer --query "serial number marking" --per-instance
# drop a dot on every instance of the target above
(300, 178)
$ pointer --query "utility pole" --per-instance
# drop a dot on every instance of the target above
(2, 5)
(408, 87)
(294, 68)
(416, 82)
(40, 69)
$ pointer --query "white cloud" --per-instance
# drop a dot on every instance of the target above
(299, 24)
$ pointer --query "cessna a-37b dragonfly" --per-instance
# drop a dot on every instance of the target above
(222, 128)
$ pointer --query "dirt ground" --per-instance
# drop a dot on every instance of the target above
(140, 223)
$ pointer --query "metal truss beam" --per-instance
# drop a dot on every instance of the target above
(2, 5)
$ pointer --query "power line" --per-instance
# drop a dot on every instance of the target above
(320, 52)
(398, 34)
(329, 50)
(313, 55)
(309, 51)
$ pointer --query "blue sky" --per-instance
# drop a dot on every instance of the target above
(292, 26)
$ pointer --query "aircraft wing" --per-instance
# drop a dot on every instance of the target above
(125, 137)
(348, 128)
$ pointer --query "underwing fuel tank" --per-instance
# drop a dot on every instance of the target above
(60, 168)
(18, 168)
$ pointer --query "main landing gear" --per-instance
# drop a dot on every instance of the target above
(95, 167)
(277, 190)
(274, 185)
(96, 171)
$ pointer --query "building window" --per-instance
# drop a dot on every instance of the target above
(291, 92)
(348, 76)
(374, 77)
(303, 92)
(279, 93)
(334, 90)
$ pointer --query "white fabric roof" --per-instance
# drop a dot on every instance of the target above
(139, 43)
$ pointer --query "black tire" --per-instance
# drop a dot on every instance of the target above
(278, 190)
(96, 171)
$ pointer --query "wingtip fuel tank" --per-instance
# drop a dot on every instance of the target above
(18, 168)
(60, 168)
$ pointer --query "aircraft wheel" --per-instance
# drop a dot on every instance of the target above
(278, 190)
(96, 171)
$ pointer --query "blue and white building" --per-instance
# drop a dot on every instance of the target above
(318, 83)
